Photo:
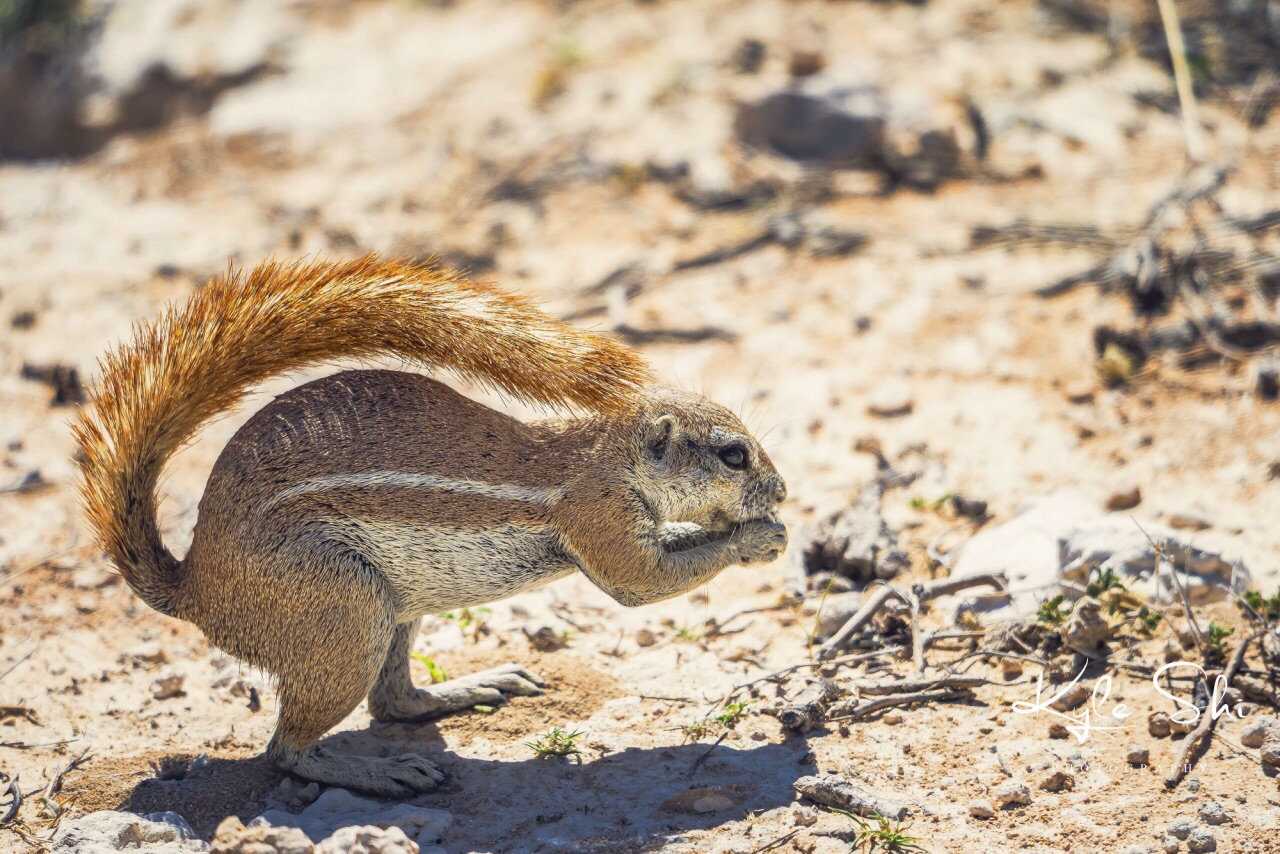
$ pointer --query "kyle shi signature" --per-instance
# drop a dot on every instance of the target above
(1082, 722)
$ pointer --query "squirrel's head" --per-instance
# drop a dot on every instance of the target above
(695, 461)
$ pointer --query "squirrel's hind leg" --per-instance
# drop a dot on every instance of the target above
(341, 657)
(394, 697)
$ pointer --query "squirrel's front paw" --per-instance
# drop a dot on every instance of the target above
(761, 541)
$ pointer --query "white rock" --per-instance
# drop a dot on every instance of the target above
(1065, 536)
(1012, 793)
(368, 840)
(338, 808)
(1026, 549)
(1257, 729)
(981, 809)
(108, 830)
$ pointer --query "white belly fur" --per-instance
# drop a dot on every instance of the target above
(435, 568)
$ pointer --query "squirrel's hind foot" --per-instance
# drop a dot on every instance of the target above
(393, 777)
(486, 688)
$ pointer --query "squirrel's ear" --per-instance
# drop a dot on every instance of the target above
(660, 434)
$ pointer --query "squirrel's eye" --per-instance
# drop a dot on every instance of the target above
(734, 456)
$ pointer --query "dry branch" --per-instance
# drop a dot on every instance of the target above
(833, 792)
(883, 594)
(913, 685)
(1181, 764)
(864, 709)
(806, 710)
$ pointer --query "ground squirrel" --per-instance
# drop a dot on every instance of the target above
(351, 506)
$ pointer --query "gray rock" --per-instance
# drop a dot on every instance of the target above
(1270, 754)
(1257, 729)
(1202, 840)
(981, 809)
(1115, 543)
(1182, 827)
(338, 808)
(833, 130)
(1212, 812)
(1065, 536)
(1138, 755)
(108, 830)
(1170, 844)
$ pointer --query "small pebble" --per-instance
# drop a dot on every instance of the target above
(1012, 793)
(1182, 827)
(1202, 840)
(1058, 781)
(149, 653)
(1170, 844)
(1188, 521)
(1193, 783)
(893, 718)
(981, 809)
(1138, 755)
(1212, 812)
(168, 684)
(1158, 725)
(646, 638)
(890, 401)
(308, 793)
(1125, 498)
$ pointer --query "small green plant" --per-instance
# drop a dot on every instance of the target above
(695, 731)
(553, 79)
(1215, 643)
(732, 713)
(688, 634)
(557, 744)
(1268, 608)
(877, 833)
(920, 504)
(1052, 612)
(436, 671)
(474, 620)
(1148, 620)
(1102, 581)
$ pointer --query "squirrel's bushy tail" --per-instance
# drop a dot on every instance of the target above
(202, 358)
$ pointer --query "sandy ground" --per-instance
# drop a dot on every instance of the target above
(411, 128)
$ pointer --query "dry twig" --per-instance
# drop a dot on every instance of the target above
(1181, 764)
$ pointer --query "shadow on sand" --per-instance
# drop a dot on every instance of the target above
(611, 801)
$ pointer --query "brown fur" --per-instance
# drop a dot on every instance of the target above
(351, 506)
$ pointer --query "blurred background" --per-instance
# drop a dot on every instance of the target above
(1006, 224)
(1025, 241)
